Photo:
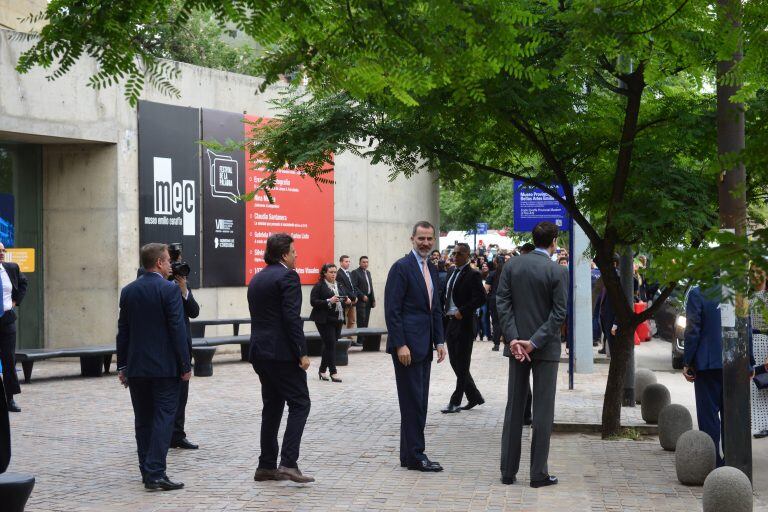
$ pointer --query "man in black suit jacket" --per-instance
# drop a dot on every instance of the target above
(344, 276)
(278, 353)
(361, 280)
(152, 360)
(14, 287)
(464, 294)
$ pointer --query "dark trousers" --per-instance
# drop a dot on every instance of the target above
(413, 395)
(8, 356)
(495, 325)
(708, 387)
(329, 334)
(460, 340)
(178, 423)
(544, 386)
(597, 330)
(363, 313)
(282, 382)
(154, 402)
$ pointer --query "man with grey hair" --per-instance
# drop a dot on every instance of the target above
(413, 312)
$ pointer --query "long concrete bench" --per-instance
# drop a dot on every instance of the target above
(93, 360)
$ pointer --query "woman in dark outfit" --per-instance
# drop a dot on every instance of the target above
(328, 315)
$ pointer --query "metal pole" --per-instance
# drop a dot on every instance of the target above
(737, 441)
(626, 273)
(570, 342)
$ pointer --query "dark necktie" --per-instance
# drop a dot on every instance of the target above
(2, 306)
(449, 294)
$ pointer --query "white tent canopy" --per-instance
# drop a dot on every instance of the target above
(492, 237)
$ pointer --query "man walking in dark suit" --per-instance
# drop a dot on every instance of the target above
(361, 280)
(13, 287)
(413, 312)
(278, 353)
(152, 360)
(532, 303)
(464, 294)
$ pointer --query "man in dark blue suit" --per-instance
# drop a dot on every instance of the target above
(703, 360)
(152, 360)
(413, 312)
(278, 353)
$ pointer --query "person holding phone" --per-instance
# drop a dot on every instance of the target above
(328, 298)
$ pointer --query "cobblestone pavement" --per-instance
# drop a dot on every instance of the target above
(76, 436)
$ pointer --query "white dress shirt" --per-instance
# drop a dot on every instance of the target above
(7, 290)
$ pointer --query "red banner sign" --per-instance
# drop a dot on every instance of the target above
(302, 208)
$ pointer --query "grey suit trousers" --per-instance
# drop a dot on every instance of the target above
(544, 386)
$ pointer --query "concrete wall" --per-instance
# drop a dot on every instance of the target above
(12, 11)
(91, 192)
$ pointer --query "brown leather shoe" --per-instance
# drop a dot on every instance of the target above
(262, 475)
(294, 474)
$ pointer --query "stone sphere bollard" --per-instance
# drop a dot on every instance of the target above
(694, 457)
(655, 398)
(727, 488)
(674, 420)
(643, 377)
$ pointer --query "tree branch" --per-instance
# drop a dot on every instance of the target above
(662, 22)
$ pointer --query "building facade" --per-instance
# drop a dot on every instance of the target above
(69, 161)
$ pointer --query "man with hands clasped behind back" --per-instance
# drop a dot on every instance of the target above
(532, 303)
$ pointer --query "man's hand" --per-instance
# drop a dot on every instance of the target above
(613, 330)
(404, 355)
(365, 299)
(373, 305)
(123, 379)
(13, 302)
(347, 302)
(521, 349)
(304, 363)
(688, 374)
(441, 353)
(186, 376)
(458, 316)
(182, 282)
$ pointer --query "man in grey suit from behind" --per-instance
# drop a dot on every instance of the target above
(532, 303)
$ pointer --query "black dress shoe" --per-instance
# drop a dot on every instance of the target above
(451, 409)
(163, 484)
(601, 351)
(550, 480)
(495, 348)
(426, 465)
(527, 421)
(12, 407)
(761, 434)
(508, 480)
(473, 404)
(184, 444)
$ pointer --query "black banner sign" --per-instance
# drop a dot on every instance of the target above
(169, 179)
(224, 215)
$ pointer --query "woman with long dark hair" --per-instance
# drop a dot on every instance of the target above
(326, 298)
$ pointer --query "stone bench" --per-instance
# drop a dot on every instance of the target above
(94, 361)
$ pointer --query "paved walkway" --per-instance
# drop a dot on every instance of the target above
(76, 436)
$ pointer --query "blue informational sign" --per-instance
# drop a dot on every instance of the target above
(482, 228)
(533, 205)
(7, 227)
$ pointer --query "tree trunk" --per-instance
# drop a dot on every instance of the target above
(614, 387)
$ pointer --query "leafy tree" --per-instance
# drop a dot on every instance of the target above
(478, 198)
(604, 96)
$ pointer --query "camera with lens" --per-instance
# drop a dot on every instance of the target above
(178, 268)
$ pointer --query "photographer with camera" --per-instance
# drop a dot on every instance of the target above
(179, 272)
(327, 299)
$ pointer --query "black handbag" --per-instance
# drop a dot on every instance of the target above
(761, 377)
